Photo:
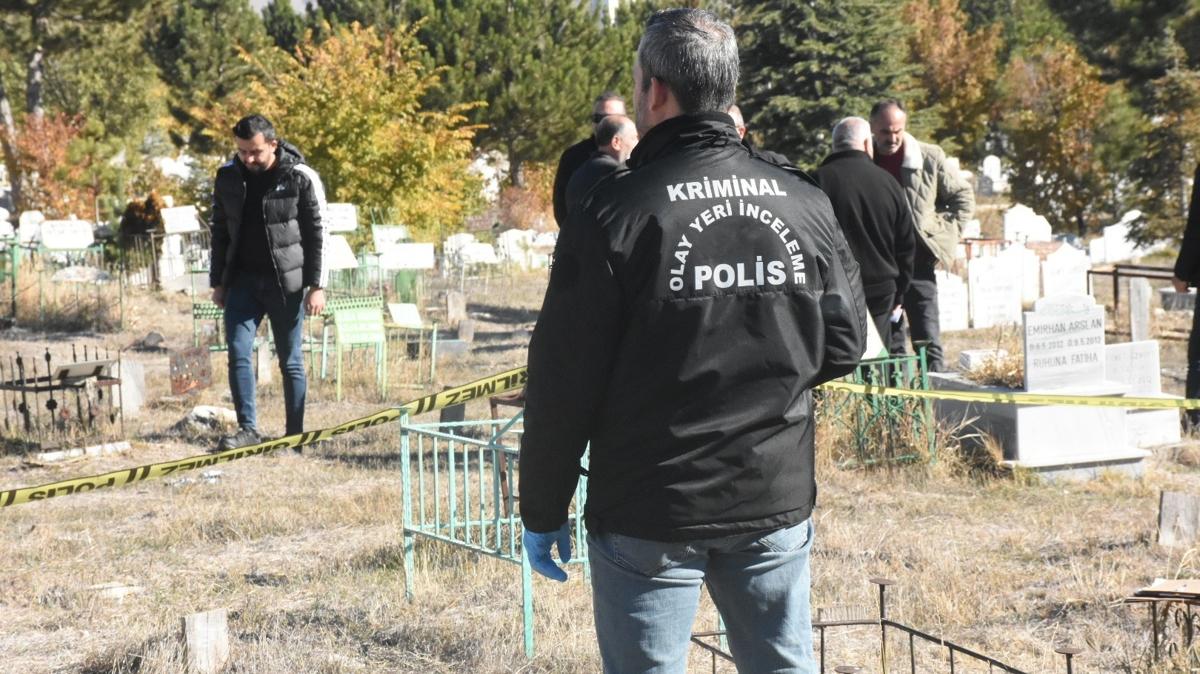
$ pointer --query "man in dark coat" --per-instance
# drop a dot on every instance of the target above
(607, 103)
(1187, 273)
(267, 260)
(874, 215)
(616, 136)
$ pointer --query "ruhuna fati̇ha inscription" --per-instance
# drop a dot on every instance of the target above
(1064, 343)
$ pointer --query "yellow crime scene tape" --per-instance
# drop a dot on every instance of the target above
(1017, 398)
(488, 386)
(508, 381)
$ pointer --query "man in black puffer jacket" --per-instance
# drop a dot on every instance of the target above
(695, 300)
(267, 245)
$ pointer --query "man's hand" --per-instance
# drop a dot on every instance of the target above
(1181, 286)
(314, 304)
(537, 547)
(218, 296)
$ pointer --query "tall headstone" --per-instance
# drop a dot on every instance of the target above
(953, 304)
(1117, 246)
(1024, 259)
(1137, 366)
(1064, 272)
(994, 284)
(1021, 224)
(1139, 309)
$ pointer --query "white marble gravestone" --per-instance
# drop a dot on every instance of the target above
(339, 217)
(338, 254)
(67, 234)
(407, 256)
(953, 303)
(384, 236)
(1137, 365)
(180, 220)
(29, 227)
(1064, 343)
(1028, 262)
(1064, 272)
(478, 253)
(1117, 246)
(995, 285)
(1021, 224)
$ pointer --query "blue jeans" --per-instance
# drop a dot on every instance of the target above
(247, 300)
(645, 594)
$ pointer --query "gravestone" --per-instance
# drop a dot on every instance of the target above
(1117, 246)
(180, 220)
(67, 235)
(386, 236)
(1064, 343)
(1137, 365)
(456, 308)
(1178, 519)
(407, 256)
(1028, 263)
(404, 315)
(338, 255)
(133, 387)
(953, 303)
(29, 227)
(1064, 272)
(478, 253)
(994, 284)
(1021, 224)
(1139, 309)
(972, 230)
(340, 218)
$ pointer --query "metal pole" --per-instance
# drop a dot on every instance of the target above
(406, 499)
(882, 583)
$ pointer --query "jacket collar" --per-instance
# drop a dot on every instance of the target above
(912, 153)
(846, 154)
(706, 129)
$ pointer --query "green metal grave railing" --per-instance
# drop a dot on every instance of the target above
(887, 428)
(458, 481)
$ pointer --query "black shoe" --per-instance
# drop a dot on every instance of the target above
(244, 437)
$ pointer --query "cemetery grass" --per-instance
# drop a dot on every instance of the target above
(305, 551)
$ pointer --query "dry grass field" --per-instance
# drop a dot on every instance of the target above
(305, 551)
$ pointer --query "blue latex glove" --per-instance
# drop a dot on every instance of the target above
(537, 547)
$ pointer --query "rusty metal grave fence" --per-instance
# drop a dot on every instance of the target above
(952, 656)
(458, 481)
(65, 289)
(47, 402)
(1174, 625)
(885, 429)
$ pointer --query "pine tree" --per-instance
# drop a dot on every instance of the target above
(808, 63)
(537, 63)
(283, 24)
(197, 46)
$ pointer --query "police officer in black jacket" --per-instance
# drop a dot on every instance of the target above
(694, 302)
(607, 103)
(267, 260)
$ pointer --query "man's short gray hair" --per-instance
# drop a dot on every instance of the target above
(695, 54)
(850, 133)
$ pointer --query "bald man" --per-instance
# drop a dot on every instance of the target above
(607, 103)
(875, 218)
(616, 136)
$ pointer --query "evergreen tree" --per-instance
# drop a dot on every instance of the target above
(198, 47)
(537, 63)
(283, 24)
(1171, 149)
(808, 63)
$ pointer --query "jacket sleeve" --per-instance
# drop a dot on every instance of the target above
(219, 232)
(905, 244)
(562, 176)
(955, 198)
(312, 228)
(843, 310)
(1189, 250)
(570, 356)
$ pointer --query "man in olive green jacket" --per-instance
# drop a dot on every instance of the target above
(941, 202)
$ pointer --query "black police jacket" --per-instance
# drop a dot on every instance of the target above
(292, 209)
(694, 301)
